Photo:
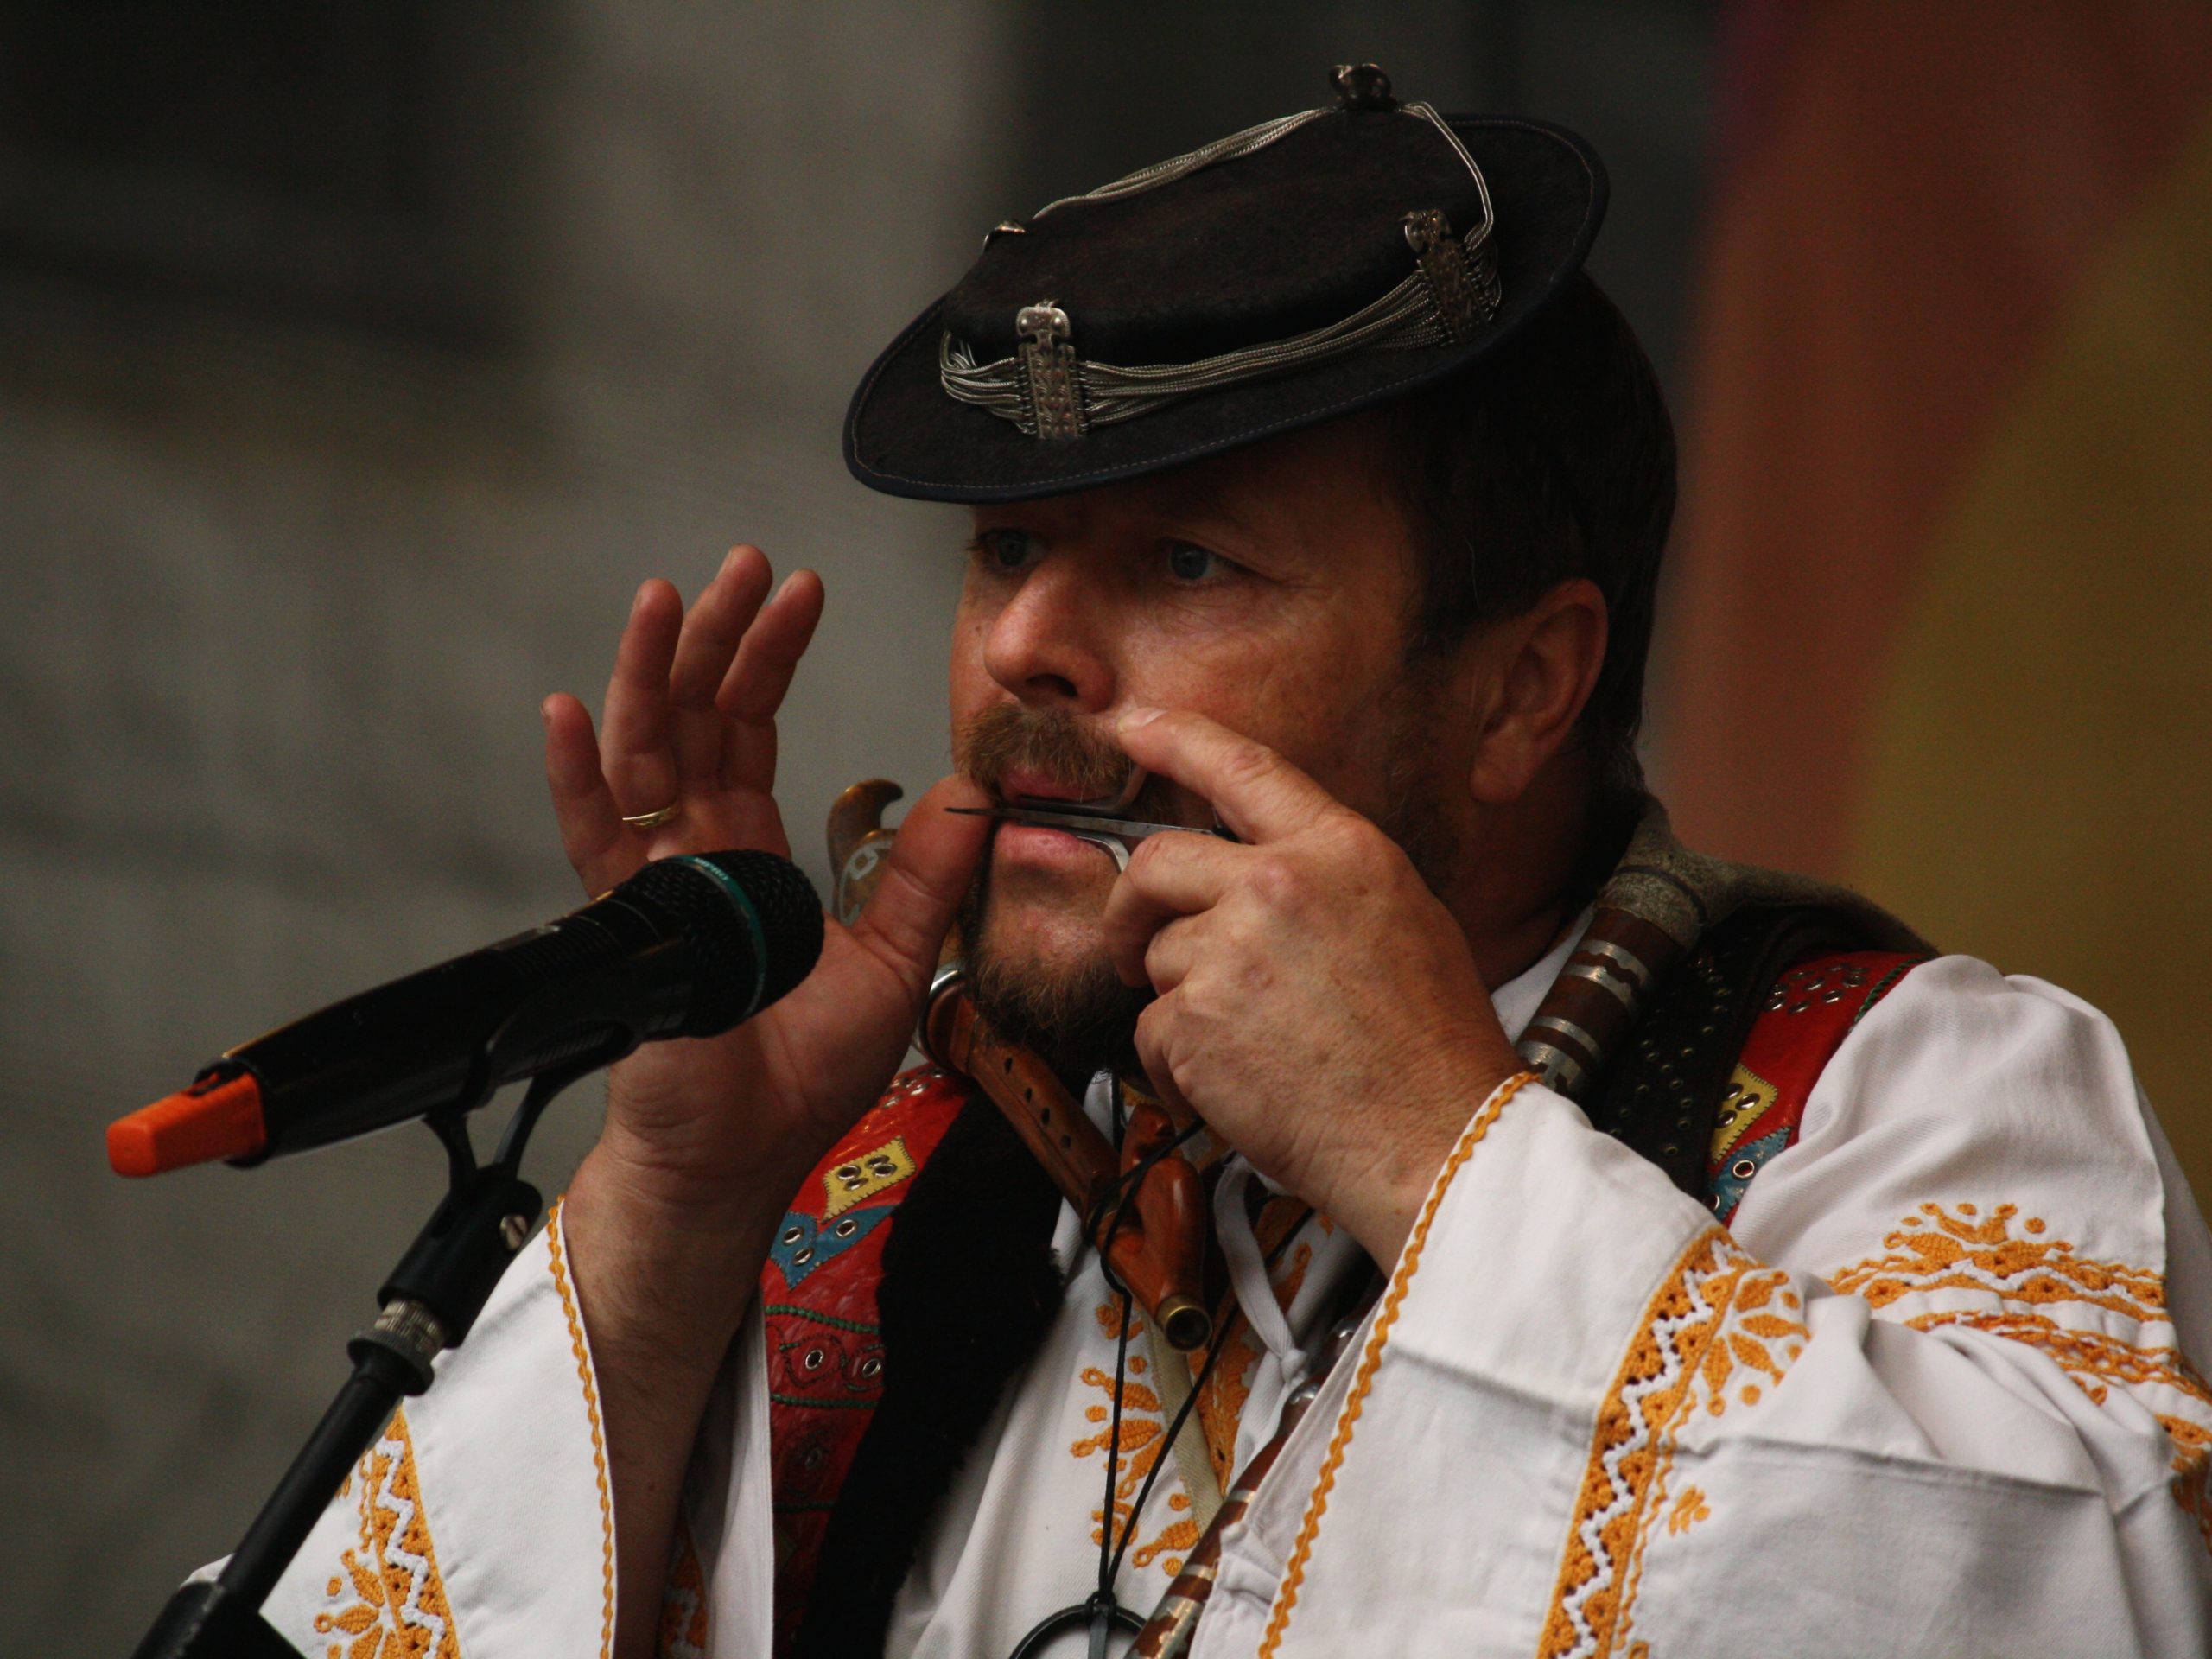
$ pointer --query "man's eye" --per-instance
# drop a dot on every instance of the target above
(1006, 550)
(1187, 563)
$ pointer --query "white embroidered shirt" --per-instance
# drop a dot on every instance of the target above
(1931, 1392)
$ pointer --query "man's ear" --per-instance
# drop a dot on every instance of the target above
(1530, 676)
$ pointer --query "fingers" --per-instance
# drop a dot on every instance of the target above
(600, 847)
(1151, 1044)
(690, 715)
(713, 631)
(692, 702)
(752, 689)
(1169, 876)
(638, 761)
(755, 687)
(1174, 950)
(715, 628)
(932, 860)
(1258, 794)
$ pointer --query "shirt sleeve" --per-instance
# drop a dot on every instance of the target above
(1933, 1394)
(481, 1525)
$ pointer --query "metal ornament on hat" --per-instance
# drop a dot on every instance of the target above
(1049, 382)
(1049, 391)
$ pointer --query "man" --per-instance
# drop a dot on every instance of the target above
(1311, 478)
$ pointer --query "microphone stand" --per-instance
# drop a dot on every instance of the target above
(428, 1303)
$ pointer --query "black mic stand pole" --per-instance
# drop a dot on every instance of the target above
(429, 1303)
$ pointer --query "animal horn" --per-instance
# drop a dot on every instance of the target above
(858, 844)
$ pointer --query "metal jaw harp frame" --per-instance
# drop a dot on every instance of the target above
(1100, 821)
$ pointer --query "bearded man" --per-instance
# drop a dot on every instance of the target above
(1316, 491)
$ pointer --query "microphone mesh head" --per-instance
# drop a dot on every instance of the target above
(732, 978)
(790, 912)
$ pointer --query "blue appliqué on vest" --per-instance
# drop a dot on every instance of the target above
(804, 1242)
(1743, 1162)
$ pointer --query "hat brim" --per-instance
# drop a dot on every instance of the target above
(905, 435)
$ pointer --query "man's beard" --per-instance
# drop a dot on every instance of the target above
(1079, 1017)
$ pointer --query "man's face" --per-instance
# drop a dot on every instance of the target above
(1268, 589)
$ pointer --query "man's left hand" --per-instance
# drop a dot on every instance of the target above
(1318, 1005)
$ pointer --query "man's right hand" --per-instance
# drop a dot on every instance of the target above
(669, 1218)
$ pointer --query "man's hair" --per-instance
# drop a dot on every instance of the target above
(1551, 460)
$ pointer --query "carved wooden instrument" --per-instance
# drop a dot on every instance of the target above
(1145, 1211)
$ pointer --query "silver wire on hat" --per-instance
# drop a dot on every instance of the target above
(1048, 391)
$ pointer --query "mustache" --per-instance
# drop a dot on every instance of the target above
(1075, 755)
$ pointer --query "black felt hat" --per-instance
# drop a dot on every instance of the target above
(1298, 271)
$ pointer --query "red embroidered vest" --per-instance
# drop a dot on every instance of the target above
(1809, 1012)
(817, 1299)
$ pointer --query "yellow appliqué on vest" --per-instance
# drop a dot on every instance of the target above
(1143, 1441)
(394, 1602)
(1718, 1330)
(864, 1177)
(2040, 1291)
(1749, 1098)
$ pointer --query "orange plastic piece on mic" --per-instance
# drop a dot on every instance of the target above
(218, 1119)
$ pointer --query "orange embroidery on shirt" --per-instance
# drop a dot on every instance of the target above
(399, 1609)
(1221, 1403)
(1363, 1381)
(1141, 1444)
(2043, 1290)
(1760, 1339)
(684, 1602)
(2090, 1357)
(1281, 1215)
(1220, 1409)
(1689, 1509)
(1716, 1316)
(598, 1433)
(1964, 1252)
(1175, 1535)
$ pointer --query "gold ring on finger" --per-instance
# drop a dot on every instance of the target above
(654, 820)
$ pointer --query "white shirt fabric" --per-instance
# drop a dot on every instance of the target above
(1017, 1537)
(1931, 1392)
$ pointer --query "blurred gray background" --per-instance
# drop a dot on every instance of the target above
(355, 365)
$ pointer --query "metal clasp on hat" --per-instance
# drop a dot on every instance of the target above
(1052, 382)
(1461, 280)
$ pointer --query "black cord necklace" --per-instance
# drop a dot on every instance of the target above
(1101, 1612)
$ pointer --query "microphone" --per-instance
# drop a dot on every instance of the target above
(688, 946)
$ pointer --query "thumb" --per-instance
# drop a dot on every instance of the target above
(932, 860)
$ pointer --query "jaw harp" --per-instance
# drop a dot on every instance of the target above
(1095, 822)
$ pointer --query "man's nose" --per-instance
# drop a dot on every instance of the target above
(1048, 645)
